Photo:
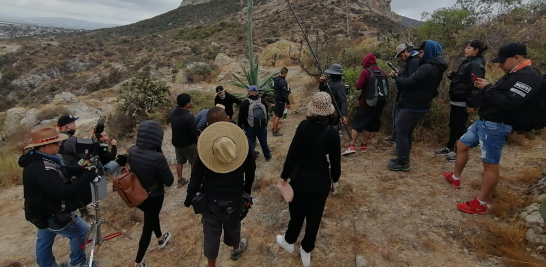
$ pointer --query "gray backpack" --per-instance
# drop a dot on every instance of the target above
(257, 114)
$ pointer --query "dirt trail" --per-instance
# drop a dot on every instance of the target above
(392, 219)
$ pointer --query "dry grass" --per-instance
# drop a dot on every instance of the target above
(51, 112)
(10, 173)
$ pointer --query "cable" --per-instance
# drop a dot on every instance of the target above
(319, 66)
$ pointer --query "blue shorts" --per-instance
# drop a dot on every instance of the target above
(490, 136)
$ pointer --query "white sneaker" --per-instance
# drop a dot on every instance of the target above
(305, 257)
(283, 244)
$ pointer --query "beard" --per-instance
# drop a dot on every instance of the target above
(71, 132)
(223, 96)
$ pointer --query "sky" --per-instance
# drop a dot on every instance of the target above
(129, 11)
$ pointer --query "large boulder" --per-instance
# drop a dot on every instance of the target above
(223, 60)
(13, 119)
(31, 118)
(279, 51)
(64, 97)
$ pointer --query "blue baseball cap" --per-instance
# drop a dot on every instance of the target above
(253, 88)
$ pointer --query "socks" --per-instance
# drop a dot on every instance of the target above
(481, 202)
(455, 178)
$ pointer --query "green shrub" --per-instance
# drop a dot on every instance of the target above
(142, 99)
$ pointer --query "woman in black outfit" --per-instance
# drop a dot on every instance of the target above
(315, 147)
(462, 94)
(150, 166)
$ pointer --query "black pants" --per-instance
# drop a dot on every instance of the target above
(307, 206)
(151, 208)
(406, 121)
(213, 223)
(457, 124)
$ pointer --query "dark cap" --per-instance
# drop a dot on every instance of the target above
(510, 50)
(66, 119)
(219, 89)
(183, 99)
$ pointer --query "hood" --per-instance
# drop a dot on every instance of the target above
(440, 62)
(27, 158)
(149, 135)
(368, 60)
(432, 49)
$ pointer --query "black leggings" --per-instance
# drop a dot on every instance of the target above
(457, 124)
(151, 208)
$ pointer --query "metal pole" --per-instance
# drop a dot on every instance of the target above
(306, 38)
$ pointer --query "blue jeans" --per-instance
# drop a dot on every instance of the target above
(261, 134)
(113, 167)
(490, 136)
(76, 231)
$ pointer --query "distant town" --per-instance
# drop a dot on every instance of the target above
(15, 30)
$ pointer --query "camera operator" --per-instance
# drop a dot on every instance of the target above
(108, 159)
(51, 197)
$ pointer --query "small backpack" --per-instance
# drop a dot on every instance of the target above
(257, 114)
(532, 115)
(377, 92)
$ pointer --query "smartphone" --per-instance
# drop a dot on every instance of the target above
(474, 76)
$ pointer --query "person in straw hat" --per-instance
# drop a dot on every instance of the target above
(224, 171)
(51, 197)
(315, 146)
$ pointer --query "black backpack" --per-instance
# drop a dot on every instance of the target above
(532, 116)
(377, 92)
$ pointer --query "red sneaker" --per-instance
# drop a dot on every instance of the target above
(473, 207)
(455, 183)
(350, 150)
(363, 148)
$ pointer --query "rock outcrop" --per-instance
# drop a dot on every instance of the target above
(64, 97)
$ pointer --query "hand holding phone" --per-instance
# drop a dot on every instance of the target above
(474, 76)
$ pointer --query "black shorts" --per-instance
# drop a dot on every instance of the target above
(367, 118)
(279, 109)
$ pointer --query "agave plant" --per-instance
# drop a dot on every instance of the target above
(251, 75)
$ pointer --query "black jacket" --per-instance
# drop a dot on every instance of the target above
(147, 161)
(412, 64)
(228, 102)
(222, 186)
(313, 173)
(106, 156)
(46, 183)
(243, 113)
(418, 90)
(281, 90)
(338, 94)
(462, 87)
(183, 127)
(504, 101)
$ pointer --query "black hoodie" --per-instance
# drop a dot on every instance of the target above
(147, 161)
(46, 184)
(183, 127)
(421, 87)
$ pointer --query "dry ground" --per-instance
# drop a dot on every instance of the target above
(392, 219)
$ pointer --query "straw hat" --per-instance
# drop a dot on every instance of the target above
(44, 136)
(223, 147)
(321, 104)
(221, 106)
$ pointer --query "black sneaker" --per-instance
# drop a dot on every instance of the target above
(166, 238)
(393, 152)
(268, 159)
(236, 253)
(443, 151)
(182, 182)
(277, 134)
(390, 139)
(398, 165)
(452, 156)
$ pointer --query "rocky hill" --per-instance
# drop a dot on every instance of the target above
(165, 45)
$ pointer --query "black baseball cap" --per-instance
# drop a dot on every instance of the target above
(66, 119)
(219, 89)
(510, 50)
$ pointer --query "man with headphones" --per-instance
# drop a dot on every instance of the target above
(406, 54)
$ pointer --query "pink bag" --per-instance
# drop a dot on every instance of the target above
(286, 191)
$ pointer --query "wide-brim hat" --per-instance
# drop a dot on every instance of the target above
(321, 104)
(335, 69)
(223, 147)
(45, 136)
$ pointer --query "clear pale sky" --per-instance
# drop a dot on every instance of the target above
(129, 11)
